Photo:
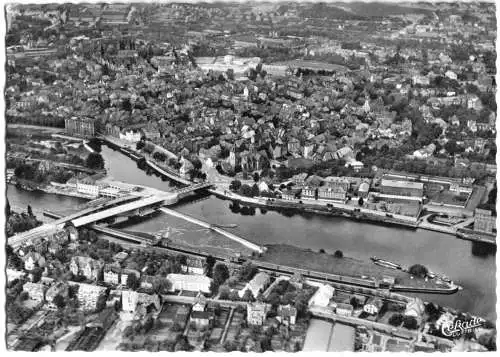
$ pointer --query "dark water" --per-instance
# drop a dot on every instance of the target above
(470, 265)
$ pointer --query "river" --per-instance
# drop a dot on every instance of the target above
(469, 264)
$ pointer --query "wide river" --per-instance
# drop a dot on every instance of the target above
(469, 264)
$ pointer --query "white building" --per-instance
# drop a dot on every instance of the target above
(257, 285)
(322, 296)
(88, 188)
(130, 300)
(194, 283)
(131, 136)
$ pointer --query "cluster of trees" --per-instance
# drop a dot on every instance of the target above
(94, 161)
(20, 222)
(418, 270)
(95, 144)
(409, 322)
(235, 207)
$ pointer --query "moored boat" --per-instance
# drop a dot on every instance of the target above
(386, 263)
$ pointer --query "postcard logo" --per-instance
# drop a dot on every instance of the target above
(459, 327)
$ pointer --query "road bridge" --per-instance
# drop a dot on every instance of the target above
(139, 207)
(49, 228)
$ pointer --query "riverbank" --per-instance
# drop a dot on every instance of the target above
(350, 267)
(50, 189)
(326, 208)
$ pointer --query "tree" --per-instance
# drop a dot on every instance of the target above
(235, 185)
(247, 271)
(210, 262)
(94, 161)
(247, 296)
(396, 319)
(230, 74)
(224, 292)
(338, 254)
(246, 190)
(410, 322)
(140, 145)
(132, 281)
(7, 209)
(220, 274)
(256, 177)
(59, 301)
(418, 270)
(255, 190)
(95, 144)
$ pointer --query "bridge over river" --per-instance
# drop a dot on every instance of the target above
(124, 206)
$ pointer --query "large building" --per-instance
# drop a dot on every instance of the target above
(91, 297)
(484, 221)
(402, 188)
(195, 283)
(82, 127)
(334, 190)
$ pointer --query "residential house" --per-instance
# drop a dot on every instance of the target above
(111, 274)
(416, 309)
(473, 102)
(58, 289)
(131, 300)
(36, 291)
(309, 192)
(120, 257)
(200, 303)
(125, 273)
(86, 266)
(291, 194)
(33, 260)
(91, 297)
(256, 313)
(299, 179)
(201, 319)
(372, 306)
(344, 309)
(13, 275)
(297, 280)
(472, 125)
(193, 266)
(148, 282)
(114, 297)
(257, 285)
(426, 152)
(287, 314)
(363, 189)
